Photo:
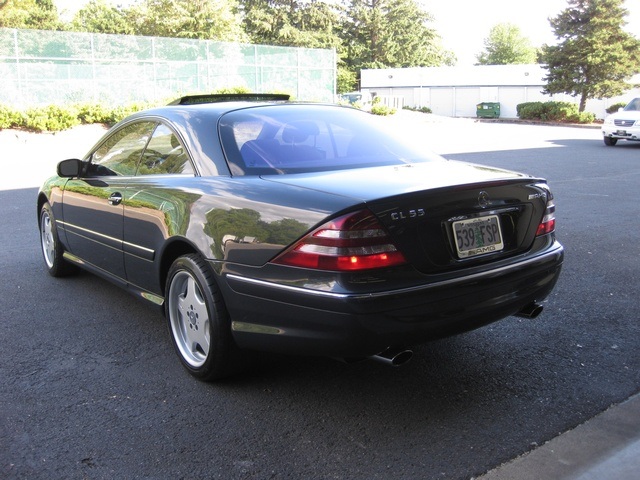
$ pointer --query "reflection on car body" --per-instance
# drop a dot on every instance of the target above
(298, 228)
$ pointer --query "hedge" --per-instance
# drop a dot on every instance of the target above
(54, 118)
(562, 112)
(616, 106)
(379, 108)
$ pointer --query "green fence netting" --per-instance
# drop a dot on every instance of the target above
(44, 67)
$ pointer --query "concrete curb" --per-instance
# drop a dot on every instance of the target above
(607, 447)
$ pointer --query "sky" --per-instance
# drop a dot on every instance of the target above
(464, 24)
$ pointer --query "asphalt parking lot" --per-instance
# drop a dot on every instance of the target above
(91, 388)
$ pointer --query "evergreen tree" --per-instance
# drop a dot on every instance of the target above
(391, 33)
(595, 55)
(505, 45)
(292, 23)
(299, 23)
(202, 19)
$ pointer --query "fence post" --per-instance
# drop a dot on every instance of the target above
(257, 72)
(155, 75)
(298, 74)
(17, 52)
(94, 95)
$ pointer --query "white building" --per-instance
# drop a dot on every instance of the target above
(455, 91)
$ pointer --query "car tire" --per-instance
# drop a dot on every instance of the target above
(52, 249)
(198, 321)
(610, 142)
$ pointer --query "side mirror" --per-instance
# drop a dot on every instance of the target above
(70, 168)
(620, 109)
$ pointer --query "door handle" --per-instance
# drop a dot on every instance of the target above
(115, 198)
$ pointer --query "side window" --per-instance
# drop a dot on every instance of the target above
(165, 155)
(120, 153)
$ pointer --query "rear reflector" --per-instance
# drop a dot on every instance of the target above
(356, 241)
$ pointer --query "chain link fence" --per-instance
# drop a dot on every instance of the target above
(47, 67)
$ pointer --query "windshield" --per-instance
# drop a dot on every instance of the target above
(282, 139)
(633, 105)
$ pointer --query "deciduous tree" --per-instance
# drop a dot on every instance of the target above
(98, 16)
(36, 14)
(506, 45)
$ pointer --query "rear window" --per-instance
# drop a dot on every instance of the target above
(310, 138)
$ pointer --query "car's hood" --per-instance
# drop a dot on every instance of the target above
(367, 184)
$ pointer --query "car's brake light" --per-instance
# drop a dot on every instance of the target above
(548, 223)
(356, 241)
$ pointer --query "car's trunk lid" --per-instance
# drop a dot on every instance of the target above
(443, 218)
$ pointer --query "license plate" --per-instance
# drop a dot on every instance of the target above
(477, 236)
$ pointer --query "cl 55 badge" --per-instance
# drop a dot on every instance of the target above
(407, 214)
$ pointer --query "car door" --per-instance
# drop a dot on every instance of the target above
(93, 204)
(158, 205)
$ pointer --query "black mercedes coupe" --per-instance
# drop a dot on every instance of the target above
(308, 229)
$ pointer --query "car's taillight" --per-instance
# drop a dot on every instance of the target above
(548, 223)
(356, 241)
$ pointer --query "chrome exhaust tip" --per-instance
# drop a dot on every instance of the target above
(530, 311)
(394, 357)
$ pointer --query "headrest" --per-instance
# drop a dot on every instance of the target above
(298, 132)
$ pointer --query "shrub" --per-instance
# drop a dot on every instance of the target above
(9, 117)
(238, 89)
(52, 118)
(563, 112)
(93, 113)
(586, 117)
(615, 107)
(122, 111)
(418, 109)
(530, 110)
(378, 108)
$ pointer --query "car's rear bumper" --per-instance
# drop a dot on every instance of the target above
(275, 317)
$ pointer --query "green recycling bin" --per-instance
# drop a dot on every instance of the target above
(488, 110)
